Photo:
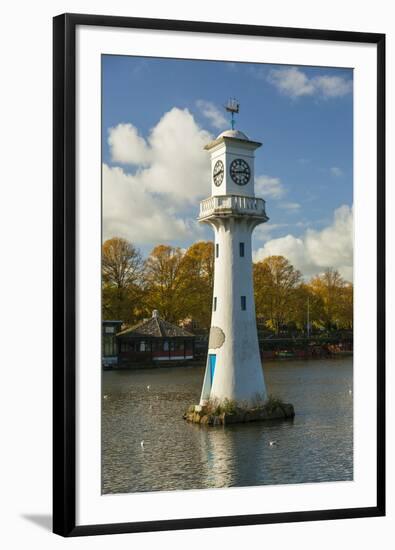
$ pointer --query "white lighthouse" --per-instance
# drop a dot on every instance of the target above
(234, 369)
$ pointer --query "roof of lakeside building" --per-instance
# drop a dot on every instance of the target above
(157, 328)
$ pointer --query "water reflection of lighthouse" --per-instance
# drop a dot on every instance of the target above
(234, 369)
(229, 458)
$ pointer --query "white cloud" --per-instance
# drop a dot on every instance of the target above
(336, 171)
(213, 114)
(264, 231)
(172, 174)
(126, 146)
(293, 82)
(171, 161)
(317, 250)
(132, 212)
(269, 187)
(332, 86)
(289, 205)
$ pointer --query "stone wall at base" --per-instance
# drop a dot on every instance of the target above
(239, 415)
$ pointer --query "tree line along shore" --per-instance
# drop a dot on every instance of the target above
(179, 283)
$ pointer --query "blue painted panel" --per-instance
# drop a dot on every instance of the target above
(212, 359)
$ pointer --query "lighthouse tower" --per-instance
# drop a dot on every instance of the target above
(234, 369)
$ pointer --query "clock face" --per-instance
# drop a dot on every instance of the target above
(240, 171)
(218, 173)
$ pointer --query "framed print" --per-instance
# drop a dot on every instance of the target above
(218, 275)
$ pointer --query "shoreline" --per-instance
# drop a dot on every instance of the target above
(155, 365)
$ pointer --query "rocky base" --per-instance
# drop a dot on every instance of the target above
(204, 415)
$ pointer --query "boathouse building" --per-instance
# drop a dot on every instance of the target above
(154, 339)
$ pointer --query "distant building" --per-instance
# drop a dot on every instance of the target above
(109, 343)
(155, 339)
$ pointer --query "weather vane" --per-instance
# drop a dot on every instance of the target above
(232, 107)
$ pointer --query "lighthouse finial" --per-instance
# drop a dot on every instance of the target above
(232, 107)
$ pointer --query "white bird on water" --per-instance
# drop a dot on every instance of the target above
(148, 387)
(142, 444)
(272, 443)
(349, 392)
(105, 396)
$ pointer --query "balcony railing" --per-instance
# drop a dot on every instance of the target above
(234, 205)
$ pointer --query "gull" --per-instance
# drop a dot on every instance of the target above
(142, 444)
(272, 443)
(349, 392)
(148, 387)
(105, 396)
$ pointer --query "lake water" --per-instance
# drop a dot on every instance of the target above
(316, 446)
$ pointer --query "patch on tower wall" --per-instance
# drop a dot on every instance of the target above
(217, 338)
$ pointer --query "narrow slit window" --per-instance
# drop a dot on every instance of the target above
(241, 246)
(243, 303)
(215, 303)
(217, 250)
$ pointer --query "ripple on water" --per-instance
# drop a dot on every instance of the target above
(316, 446)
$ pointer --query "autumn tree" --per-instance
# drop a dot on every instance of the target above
(198, 276)
(302, 306)
(121, 279)
(346, 309)
(275, 284)
(180, 285)
(335, 300)
(164, 282)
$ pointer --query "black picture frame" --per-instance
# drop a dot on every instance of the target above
(64, 273)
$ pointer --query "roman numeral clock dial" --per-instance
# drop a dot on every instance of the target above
(218, 173)
(240, 171)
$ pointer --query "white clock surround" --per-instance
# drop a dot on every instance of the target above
(231, 145)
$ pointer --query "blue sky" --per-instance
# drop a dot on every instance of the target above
(303, 116)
